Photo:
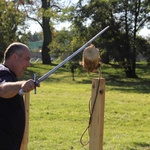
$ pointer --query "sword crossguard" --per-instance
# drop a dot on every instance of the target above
(21, 92)
(35, 84)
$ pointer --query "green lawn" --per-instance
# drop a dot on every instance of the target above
(59, 112)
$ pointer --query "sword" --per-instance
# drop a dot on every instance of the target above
(37, 81)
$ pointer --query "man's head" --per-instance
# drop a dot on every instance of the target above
(17, 58)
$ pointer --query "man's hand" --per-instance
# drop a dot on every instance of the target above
(28, 85)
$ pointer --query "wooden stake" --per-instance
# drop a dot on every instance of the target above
(24, 144)
(97, 121)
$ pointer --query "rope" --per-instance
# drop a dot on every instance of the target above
(91, 110)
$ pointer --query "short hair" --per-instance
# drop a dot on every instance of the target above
(13, 48)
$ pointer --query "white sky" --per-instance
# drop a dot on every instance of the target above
(35, 27)
(145, 32)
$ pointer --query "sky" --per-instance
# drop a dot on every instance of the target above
(35, 27)
(145, 32)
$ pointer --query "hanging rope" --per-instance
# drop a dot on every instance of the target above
(91, 109)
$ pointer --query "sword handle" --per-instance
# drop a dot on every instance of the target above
(21, 92)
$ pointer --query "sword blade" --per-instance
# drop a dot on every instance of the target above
(70, 57)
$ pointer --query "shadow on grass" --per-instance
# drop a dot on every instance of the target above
(139, 85)
(144, 146)
(115, 80)
(84, 81)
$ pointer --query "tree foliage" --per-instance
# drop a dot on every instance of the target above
(11, 25)
(125, 18)
(37, 36)
(44, 13)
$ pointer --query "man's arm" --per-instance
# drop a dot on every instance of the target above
(10, 89)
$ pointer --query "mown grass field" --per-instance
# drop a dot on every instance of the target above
(59, 111)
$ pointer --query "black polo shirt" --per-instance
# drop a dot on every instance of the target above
(12, 115)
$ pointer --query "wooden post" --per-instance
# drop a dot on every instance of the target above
(97, 120)
(24, 144)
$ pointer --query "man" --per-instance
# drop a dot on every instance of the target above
(12, 112)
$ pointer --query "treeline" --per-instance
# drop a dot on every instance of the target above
(121, 43)
(33, 37)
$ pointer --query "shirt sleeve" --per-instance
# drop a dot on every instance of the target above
(5, 76)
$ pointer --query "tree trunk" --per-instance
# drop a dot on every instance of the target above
(130, 55)
(130, 72)
(47, 36)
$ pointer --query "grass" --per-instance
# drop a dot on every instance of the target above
(59, 111)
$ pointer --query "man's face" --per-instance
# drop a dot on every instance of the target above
(22, 62)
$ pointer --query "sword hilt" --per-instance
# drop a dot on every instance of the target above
(21, 92)
(35, 83)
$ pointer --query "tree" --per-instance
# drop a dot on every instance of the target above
(64, 43)
(143, 47)
(44, 13)
(132, 15)
(11, 25)
(125, 19)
